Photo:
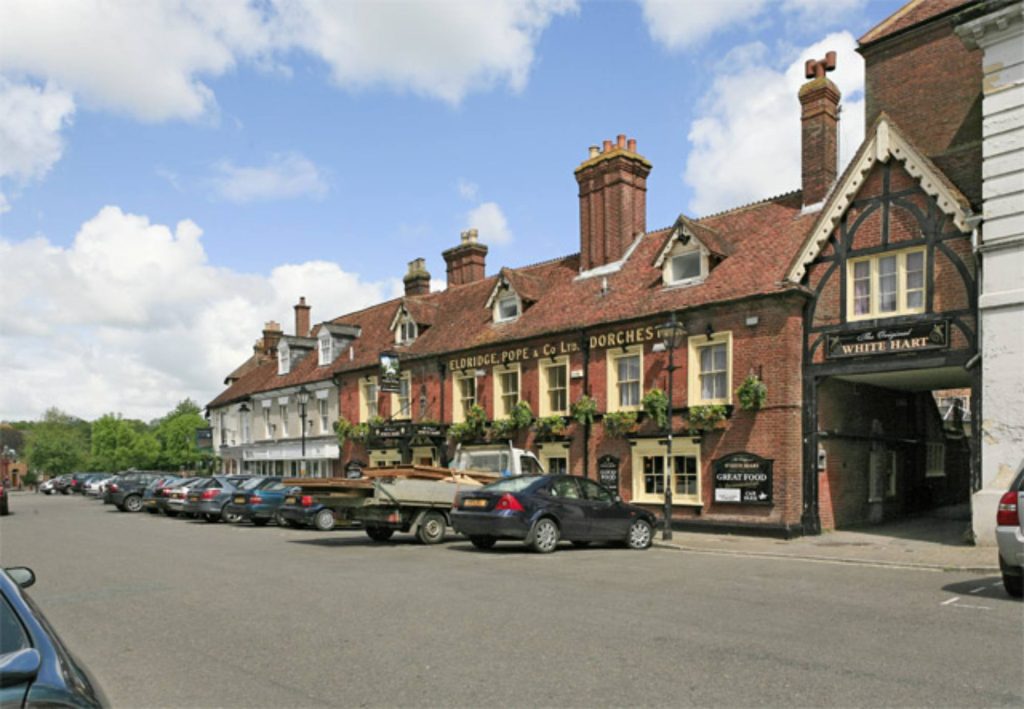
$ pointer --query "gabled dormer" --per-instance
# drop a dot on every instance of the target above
(690, 253)
(291, 350)
(333, 339)
(512, 294)
(412, 317)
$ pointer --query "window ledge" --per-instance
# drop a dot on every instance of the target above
(685, 283)
(675, 503)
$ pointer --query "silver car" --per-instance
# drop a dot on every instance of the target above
(1010, 536)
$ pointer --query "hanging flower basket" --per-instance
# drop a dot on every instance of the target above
(752, 393)
(584, 410)
(655, 403)
(619, 423)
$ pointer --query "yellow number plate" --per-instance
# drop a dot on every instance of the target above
(240, 500)
(476, 502)
(289, 500)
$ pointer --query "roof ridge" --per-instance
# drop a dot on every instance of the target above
(334, 321)
(740, 208)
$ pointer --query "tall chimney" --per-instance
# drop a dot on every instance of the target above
(613, 201)
(302, 318)
(271, 336)
(417, 280)
(819, 121)
(466, 261)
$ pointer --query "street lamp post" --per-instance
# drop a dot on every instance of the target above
(672, 335)
(303, 400)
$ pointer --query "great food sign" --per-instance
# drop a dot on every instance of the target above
(614, 338)
(743, 478)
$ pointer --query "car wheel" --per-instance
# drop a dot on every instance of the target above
(132, 503)
(1014, 585)
(324, 520)
(259, 522)
(544, 537)
(431, 529)
(379, 534)
(279, 520)
(483, 542)
(640, 534)
(230, 517)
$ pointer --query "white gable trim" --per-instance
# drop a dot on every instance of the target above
(886, 143)
(680, 234)
(399, 314)
(498, 286)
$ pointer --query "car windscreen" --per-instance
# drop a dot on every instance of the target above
(490, 461)
(252, 483)
(277, 487)
(518, 484)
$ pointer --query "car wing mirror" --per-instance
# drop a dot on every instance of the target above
(19, 667)
(22, 575)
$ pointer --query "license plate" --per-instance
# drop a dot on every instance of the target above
(289, 500)
(240, 500)
(193, 498)
(475, 503)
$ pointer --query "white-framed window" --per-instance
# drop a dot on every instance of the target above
(554, 387)
(710, 369)
(385, 458)
(507, 307)
(650, 459)
(625, 378)
(685, 264)
(284, 362)
(465, 395)
(324, 411)
(935, 459)
(886, 285)
(554, 457)
(406, 331)
(222, 424)
(246, 427)
(282, 412)
(326, 348)
(401, 403)
(268, 428)
(506, 390)
(368, 396)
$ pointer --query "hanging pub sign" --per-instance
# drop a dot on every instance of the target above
(889, 340)
(389, 431)
(204, 439)
(390, 373)
(742, 478)
(428, 430)
(608, 472)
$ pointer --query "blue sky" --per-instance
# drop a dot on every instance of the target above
(174, 174)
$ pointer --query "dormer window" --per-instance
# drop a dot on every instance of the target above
(326, 348)
(284, 360)
(686, 264)
(406, 331)
(507, 307)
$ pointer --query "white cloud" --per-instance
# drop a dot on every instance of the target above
(745, 142)
(681, 25)
(31, 119)
(131, 317)
(468, 190)
(490, 221)
(285, 176)
(443, 50)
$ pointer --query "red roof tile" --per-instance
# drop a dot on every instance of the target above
(913, 13)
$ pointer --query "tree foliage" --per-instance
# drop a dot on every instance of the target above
(58, 444)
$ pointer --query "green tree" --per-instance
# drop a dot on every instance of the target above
(58, 444)
(176, 434)
(114, 442)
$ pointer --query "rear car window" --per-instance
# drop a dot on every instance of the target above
(512, 484)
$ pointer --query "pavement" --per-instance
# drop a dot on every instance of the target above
(934, 541)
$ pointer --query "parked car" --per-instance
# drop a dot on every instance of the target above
(48, 487)
(126, 490)
(79, 481)
(172, 503)
(62, 484)
(36, 667)
(298, 510)
(1010, 536)
(151, 495)
(209, 498)
(543, 509)
(5, 508)
(95, 486)
(257, 500)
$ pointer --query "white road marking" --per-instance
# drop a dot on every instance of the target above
(977, 608)
(979, 589)
(954, 599)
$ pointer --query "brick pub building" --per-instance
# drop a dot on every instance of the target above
(850, 299)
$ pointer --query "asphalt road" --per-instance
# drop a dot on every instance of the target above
(177, 613)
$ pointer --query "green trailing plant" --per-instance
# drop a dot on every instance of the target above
(705, 418)
(619, 423)
(521, 415)
(359, 433)
(655, 403)
(550, 426)
(473, 428)
(584, 410)
(752, 393)
(343, 429)
(503, 428)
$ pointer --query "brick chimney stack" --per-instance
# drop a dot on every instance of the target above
(417, 280)
(271, 336)
(819, 120)
(302, 318)
(613, 201)
(466, 261)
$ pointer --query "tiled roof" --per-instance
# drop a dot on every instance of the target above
(760, 239)
(913, 13)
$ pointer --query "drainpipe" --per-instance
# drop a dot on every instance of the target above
(585, 345)
(441, 369)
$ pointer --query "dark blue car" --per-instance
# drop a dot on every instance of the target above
(257, 500)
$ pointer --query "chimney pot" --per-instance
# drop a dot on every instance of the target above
(417, 280)
(631, 145)
(302, 318)
(466, 262)
(621, 140)
(607, 146)
(594, 151)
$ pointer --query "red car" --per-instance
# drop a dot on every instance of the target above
(4, 509)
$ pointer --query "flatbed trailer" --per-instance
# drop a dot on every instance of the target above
(413, 498)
